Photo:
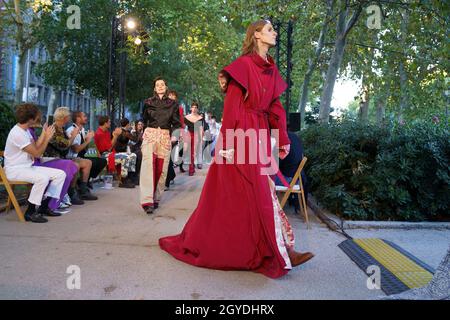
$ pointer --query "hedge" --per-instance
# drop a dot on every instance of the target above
(364, 172)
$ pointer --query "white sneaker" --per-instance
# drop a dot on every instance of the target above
(66, 200)
(62, 210)
(63, 205)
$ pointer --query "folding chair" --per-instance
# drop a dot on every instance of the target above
(9, 186)
(296, 188)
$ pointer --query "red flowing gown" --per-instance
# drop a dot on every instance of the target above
(233, 226)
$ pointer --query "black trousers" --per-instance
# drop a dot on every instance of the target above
(138, 161)
(170, 170)
(98, 164)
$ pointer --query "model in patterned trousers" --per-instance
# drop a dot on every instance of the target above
(156, 148)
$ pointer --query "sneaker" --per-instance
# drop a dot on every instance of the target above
(63, 205)
(62, 211)
(66, 200)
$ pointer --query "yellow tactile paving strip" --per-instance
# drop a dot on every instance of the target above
(406, 270)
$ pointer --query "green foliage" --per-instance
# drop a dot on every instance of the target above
(7, 121)
(366, 172)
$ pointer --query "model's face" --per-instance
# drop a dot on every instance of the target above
(267, 35)
(194, 109)
(108, 124)
(160, 87)
(140, 126)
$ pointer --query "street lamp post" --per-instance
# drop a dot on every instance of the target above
(111, 73)
(118, 26)
(123, 66)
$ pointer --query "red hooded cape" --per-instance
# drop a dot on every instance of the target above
(233, 226)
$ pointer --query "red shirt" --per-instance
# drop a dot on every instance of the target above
(102, 140)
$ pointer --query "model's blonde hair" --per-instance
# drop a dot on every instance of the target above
(61, 113)
(249, 45)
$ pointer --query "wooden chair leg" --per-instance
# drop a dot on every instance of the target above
(304, 207)
(8, 202)
(15, 203)
(285, 198)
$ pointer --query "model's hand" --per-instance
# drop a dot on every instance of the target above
(284, 151)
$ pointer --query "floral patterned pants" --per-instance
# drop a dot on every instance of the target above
(156, 147)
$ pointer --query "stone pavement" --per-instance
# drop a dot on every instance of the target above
(115, 244)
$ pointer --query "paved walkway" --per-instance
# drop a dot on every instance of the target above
(115, 244)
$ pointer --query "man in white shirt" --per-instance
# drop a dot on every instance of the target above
(81, 143)
(20, 151)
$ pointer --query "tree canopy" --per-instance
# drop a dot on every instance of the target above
(402, 62)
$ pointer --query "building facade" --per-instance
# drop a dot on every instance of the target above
(36, 91)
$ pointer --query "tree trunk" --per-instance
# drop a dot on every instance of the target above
(404, 96)
(21, 66)
(21, 52)
(328, 88)
(304, 92)
(364, 102)
(380, 107)
(381, 99)
(343, 27)
(364, 107)
(92, 114)
(52, 101)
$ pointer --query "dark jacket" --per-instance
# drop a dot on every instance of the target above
(123, 139)
(162, 113)
(289, 165)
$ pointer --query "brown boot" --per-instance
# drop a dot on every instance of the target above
(298, 258)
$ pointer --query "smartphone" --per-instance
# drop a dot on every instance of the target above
(50, 120)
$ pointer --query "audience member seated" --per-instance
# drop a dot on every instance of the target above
(59, 146)
(106, 147)
(81, 143)
(289, 166)
(20, 150)
(68, 166)
(136, 144)
(122, 145)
